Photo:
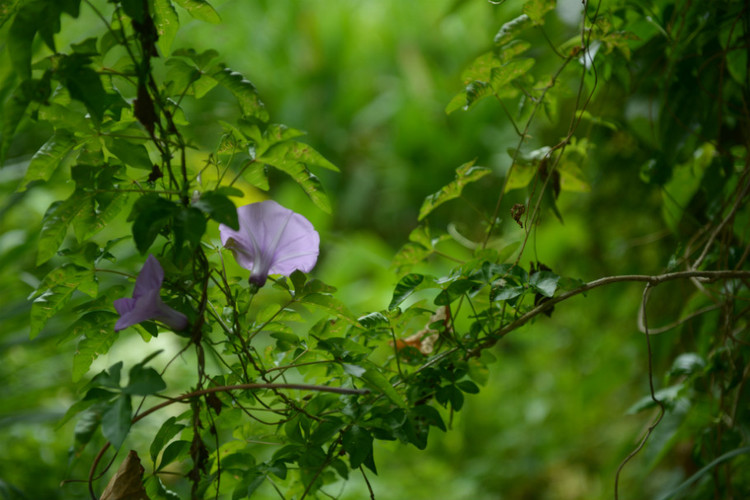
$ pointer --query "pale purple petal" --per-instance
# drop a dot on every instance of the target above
(271, 240)
(150, 277)
(146, 303)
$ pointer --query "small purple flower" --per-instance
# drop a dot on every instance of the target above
(146, 303)
(271, 240)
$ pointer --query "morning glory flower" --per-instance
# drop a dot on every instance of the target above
(271, 240)
(146, 303)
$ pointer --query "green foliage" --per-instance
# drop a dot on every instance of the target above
(288, 387)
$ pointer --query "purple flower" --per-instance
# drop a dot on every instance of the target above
(271, 240)
(146, 303)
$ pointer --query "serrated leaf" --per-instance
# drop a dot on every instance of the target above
(297, 152)
(55, 224)
(243, 91)
(100, 335)
(50, 156)
(200, 9)
(330, 304)
(116, 421)
(465, 174)
(219, 207)
(167, 23)
(89, 223)
(55, 291)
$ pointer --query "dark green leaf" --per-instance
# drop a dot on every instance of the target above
(357, 443)
(151, 214)
(176, 450)
(219, 207)
(167, 431)
(454, 291)
(374, 320)
(406, 286)
(144, 381)
(189, 226)
(116, 421)
(86, 426)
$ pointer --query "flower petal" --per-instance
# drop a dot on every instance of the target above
(271, 240)
(150, 278)
(144, 308)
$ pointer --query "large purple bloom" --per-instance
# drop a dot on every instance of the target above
(271, 240)
(146, 303)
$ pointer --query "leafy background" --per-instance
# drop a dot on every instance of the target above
(370, 82)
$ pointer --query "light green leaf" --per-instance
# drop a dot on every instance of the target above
(167, 431)
(329, 303)
(544, 282)
(50, 156)
(465, 174)
(55, 291)
(167, 23)
(200, 9)
(501, 76)
(509, 30)
(98, 326)
(685, 182)
(89, 222)
(377, 381)
(289, 159)
(55, 224)
(130, 153)
(536, 9)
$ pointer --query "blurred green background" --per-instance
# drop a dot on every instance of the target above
(369, 82)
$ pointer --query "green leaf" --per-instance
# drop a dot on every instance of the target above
(510, 30)
(13, 113)
(536, 9)
(701, 472)
(144, 381)
(200, 9)
(167, 23)
(175, 450)
(330, 304)
(357, 443)
(21, 35)
(85, 85)
(243, 91)
(288, 159)
(88, 223)
(465, 174)
(255, 174)
(409, 255)
(130, 153)
(55, 224)
(407, 286)
(377, 381)
(54, 292)
(503, 75)
(189, 226)
(454, 291)
(374, 320)
(219, 207)
(685, 182)
(116, 421)
(151, 213)
(167, 431)
(100, 335)
(296, 152)
(544, 282)
(50, 156)
(85, 427)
